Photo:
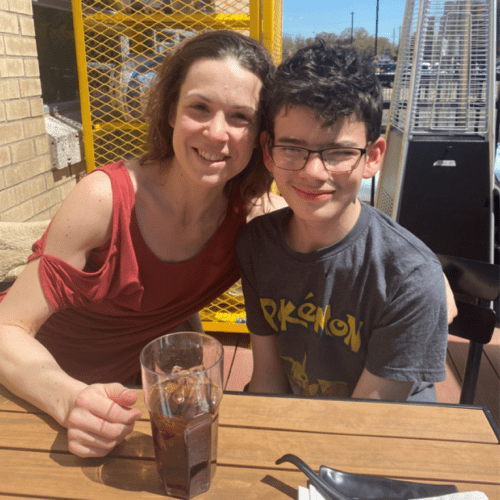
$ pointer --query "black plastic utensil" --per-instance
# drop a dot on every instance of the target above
(338, 485)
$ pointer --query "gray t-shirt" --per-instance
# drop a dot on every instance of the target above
(376, 299)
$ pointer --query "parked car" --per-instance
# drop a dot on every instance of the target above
(386, 74)
(386, 68)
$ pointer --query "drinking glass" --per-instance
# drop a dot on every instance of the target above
(182, 382)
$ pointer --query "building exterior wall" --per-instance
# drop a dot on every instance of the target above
(30, 189)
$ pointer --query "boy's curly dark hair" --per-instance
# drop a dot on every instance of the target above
(334, 81)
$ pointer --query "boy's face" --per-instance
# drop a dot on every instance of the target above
(315, 194)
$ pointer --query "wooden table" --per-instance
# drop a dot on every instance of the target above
(434, 443)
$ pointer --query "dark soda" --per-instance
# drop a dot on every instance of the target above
(186, 452)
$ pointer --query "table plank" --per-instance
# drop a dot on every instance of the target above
(358, 417)
(457, 423)
(404, 458)
(41, 433)
(44, 475)
(33, 474)
(401, 458)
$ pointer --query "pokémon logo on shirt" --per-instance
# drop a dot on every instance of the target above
(312, 316)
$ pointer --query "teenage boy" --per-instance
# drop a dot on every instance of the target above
(340, 299)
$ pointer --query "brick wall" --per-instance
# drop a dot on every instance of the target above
(30, 189)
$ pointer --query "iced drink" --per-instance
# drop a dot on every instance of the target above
(183, 403)
(186, 452)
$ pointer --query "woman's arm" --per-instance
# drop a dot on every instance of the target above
(97, 417)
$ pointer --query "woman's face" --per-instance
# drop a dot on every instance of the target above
(215, 121)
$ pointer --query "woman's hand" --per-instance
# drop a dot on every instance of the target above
(101, 419)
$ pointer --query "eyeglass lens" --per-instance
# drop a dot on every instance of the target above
(295, 158)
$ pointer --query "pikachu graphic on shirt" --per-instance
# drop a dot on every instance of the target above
(299, 376)
(300, 381)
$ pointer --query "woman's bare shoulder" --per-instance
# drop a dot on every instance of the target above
(91, 198)
(84, 220)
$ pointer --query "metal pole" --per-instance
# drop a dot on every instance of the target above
(372, 191)
(81, 64)
(352, 25)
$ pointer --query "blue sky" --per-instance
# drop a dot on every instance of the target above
(309, 17)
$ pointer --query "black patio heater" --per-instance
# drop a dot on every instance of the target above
(437, 179)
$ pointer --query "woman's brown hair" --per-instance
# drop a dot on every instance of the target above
(255, 179)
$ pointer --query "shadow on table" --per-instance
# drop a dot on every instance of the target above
(130, 467)
(280, 486)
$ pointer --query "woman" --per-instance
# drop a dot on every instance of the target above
(138, 247)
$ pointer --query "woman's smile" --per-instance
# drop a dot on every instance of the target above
(211, 155)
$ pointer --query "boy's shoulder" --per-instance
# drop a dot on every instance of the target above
(380, 221)
(394, 246)
(263, 235)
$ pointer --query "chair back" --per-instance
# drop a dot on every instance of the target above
(476, 286)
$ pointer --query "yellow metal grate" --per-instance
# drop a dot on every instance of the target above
(119, 43)
(226, 313)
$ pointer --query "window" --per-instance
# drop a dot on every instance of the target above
(55, 42)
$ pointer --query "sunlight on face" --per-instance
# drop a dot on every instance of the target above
(216, 121)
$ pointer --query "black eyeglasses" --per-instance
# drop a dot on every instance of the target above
(336, 160)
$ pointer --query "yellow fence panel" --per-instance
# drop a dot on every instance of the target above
(119, 44)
